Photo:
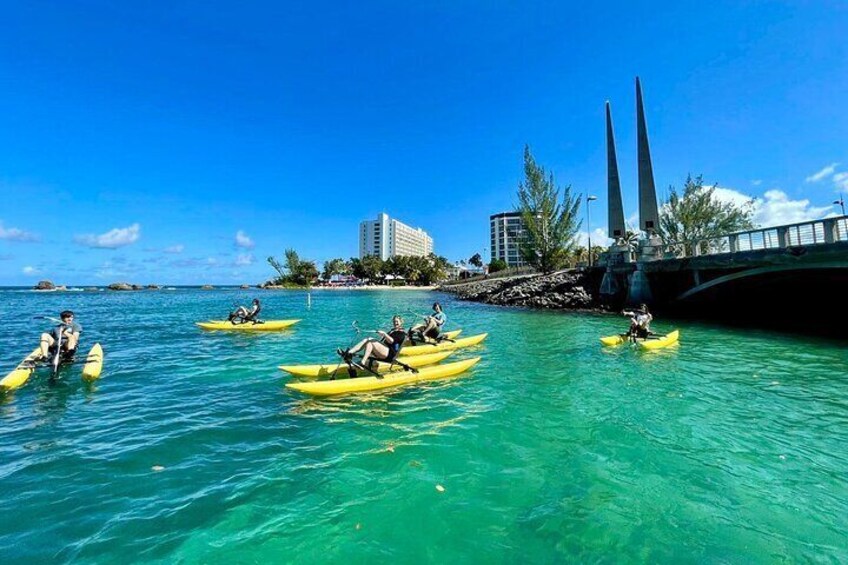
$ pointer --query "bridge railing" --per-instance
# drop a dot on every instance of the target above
(828, 230)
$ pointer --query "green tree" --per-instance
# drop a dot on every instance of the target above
(281, 270)
(371, 267)
(497, 265)
(436, 269)
(306, 274)
(393, 266)
(698, 214)
(476, 260)
(292, 264)
(335, 267)
(551, 224)
(415, 268)
(294, 271)
(631, 238)
(356, 267)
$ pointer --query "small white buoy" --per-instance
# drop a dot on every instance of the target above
(783, 457)
(440, 488)
(157, 468)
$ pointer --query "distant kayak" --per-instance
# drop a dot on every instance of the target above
(391, 380)
(266, 326)
(341, 369)
(651, 343)
(442, 345)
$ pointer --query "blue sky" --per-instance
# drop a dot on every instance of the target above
(185, 142)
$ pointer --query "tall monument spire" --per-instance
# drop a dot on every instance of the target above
(648, 214)
(616, 210)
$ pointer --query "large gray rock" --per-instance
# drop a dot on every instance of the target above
(120, 286)
(562, 290)
(45, 285)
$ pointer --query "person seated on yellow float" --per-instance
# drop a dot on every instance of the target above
(386, 348)
(431, 328)
(640, 322)
(67, 332)
(242, 315)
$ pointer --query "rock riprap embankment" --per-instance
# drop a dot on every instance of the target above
(564, 290)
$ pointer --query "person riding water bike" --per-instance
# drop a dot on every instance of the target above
(386, 348)
(432, 326)
(67, 332)
(242, 315)
(640, 322)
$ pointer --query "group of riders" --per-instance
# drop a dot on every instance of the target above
(388, 346)
(384, 348)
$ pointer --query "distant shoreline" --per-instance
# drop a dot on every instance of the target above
(91, 288)
(357, 288)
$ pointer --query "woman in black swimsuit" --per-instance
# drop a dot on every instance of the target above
(384, 349)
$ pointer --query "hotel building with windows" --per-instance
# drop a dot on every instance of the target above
(507, 231)
(386, 237)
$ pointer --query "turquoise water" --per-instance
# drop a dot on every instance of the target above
(730, 447)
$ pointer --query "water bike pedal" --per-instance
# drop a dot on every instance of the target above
(354, 368)
(346, 355)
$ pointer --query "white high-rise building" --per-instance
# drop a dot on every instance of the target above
(386, 237)
(507, 231)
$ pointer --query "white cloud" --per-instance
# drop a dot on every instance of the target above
(30, 271)
(757, 182)
(841, 181)
(731, 196)
(243, 240)
(825, 172)
(118, 237)
(244, 259)
(774, 207)
(599, 237)
(174, 249)
(15, 234)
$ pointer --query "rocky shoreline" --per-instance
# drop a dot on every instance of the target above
(563, 290)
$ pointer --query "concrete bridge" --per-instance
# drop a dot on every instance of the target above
(797, 272)
(793, 275)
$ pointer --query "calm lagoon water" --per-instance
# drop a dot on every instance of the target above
(730, 447)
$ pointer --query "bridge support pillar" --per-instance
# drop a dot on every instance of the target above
(640, 287)
(609, 284)
(781, 238)
(831, 234)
